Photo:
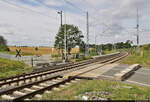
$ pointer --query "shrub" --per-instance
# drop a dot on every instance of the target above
(4, 48)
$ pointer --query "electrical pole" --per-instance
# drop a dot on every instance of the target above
(61, 18)
(87, 42)
(137, 31)
(65, 40)
(60, 12)
(95, 44)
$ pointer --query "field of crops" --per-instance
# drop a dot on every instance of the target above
(41, 50)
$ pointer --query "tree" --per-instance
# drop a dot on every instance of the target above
(3, 44)
(128, 44)
(119, 45)
(74, 37)
(109, 46)
(82, 47)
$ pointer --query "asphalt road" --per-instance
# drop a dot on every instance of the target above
(6, 56)
(115, 70)
(27, 59)
(139, 77)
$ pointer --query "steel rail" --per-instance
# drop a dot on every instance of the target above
(62, 82)
(53, 68)
(50, 72)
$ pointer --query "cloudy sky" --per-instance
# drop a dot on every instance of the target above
(36, 22)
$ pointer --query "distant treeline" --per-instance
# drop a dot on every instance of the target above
(29, 46)
(109, 46)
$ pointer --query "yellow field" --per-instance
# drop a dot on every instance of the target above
(41, 50)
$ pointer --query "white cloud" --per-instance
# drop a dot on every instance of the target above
(27, 24)
(38, 25)
(53, 2)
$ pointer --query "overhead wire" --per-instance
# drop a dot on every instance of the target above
(25, 8)
(44, 5)
(68, 2)
(11, 3)
(125, 30)
(108, 27)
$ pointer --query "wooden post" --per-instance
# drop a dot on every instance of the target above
(32, 61)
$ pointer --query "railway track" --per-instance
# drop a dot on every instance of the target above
(55, 67)
(48, 69)
(26, 78)
(30, 89)
(37, 84)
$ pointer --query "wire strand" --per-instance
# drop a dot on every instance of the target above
(68, 2)
(13, 4)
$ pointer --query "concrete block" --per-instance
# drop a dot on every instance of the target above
(8, 80)
(38, 78)
(50, 82)
(21, 82)
(21, 77)
(44, 76)
(5, 86)
(18, 93)
(15, 79)
(1, 81)
(6, 97)
(37, 87)
(33, 79)
(29, 90)
(126, 72)
(14, 84)
(43, 84)
(28, 81)
(38, 96)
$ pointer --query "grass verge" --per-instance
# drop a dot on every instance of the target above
(116, 90)
(143, 59)
(10, 68)
(109, 52)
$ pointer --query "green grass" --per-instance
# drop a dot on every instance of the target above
(56, 59)
(84, 58)
(10, 68)
(109, 52)
(143, 58)
(117, 90)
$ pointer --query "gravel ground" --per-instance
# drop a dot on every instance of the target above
(94, 95)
